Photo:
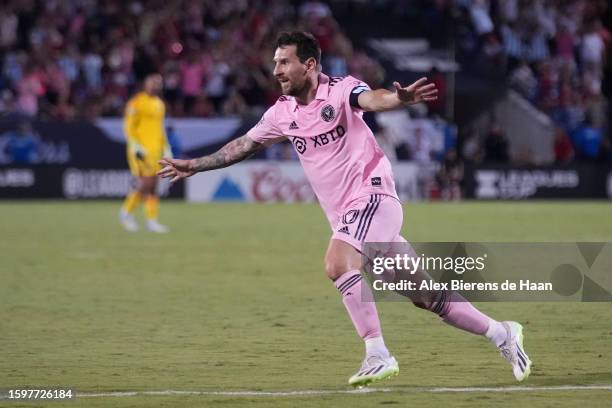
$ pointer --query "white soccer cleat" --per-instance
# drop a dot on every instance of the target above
(128, 221)
(513, 351)
(374, 368)
(154, 226)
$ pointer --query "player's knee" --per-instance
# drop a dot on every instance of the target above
(334, 269)
(147, 185)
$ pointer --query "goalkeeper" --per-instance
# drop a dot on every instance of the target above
(146, 145)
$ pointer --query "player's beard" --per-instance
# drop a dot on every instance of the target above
(296, 90)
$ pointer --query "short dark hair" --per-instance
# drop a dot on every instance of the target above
(305, 43)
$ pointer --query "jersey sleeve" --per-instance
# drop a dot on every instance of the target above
(352, 88)
(266, 131)
(130, 120)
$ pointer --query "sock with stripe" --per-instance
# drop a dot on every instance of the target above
(361, 308)
(455, 310)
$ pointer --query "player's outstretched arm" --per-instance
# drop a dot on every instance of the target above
(233, 152)
(381, 99)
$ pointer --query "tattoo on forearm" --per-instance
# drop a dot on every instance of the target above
(233, 152)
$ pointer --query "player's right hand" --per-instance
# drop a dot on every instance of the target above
(175, 169)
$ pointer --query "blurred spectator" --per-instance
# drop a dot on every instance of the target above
(592, 48)
(192, 74)
(509, 11)
(92, 70)
(420, 146)
(588, 140)
(335, 62)
(22, 145)
(479, 12)
(564, 151)
(8, 28)
(216, 87)
(450, 176)
(496, 146)
(29, 89)
(524, 81)
(438, 106)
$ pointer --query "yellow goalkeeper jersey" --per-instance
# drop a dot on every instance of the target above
(144, 125)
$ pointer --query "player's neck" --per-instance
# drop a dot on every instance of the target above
(309, 93)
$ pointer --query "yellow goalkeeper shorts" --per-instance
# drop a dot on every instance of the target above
(146, 166)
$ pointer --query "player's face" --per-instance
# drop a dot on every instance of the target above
(154, 84)
(289, 71)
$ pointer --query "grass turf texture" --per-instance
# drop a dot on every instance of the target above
(235, 298)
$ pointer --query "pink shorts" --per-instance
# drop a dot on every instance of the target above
(374, 218)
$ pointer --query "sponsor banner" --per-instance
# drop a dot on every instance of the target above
(275, 181)
(255, 181)
(190, 134)
(34, 142)
(17, 178)
(73, 183)
(515, 183)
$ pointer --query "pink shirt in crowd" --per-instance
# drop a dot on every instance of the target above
(193, 77)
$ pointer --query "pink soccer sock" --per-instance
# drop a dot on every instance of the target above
(458, 312)
(359, 304)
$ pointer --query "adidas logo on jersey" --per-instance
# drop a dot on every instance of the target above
(344, 230)
(293, 126)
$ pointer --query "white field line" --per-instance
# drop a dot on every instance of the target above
(317, 393)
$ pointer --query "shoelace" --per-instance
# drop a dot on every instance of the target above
(375, 360)
(370, 362)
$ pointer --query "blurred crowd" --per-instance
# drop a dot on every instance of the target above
(554, 52)
(70, 59)
(84, 58)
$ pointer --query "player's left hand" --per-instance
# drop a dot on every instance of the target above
(419, 91)
(175, 169)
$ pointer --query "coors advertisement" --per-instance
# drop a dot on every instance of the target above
(506, 182)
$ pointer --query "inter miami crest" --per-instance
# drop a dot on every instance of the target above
(350, 217)
(328, 113)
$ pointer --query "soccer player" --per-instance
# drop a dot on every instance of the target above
(146, 145)
(352, 179)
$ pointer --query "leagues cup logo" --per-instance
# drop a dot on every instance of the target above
(328, 113)
(300, 144)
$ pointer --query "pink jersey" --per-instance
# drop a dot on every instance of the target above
(337, 149)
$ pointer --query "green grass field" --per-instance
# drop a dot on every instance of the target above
(235, 299)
